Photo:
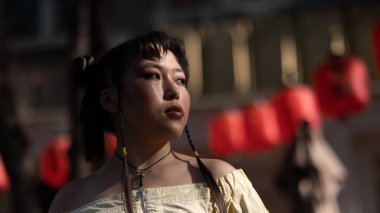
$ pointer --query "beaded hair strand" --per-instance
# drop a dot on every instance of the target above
(215, 191)
(86, 74)
(125, 172)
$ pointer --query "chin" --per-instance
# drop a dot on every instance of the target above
(173, 133)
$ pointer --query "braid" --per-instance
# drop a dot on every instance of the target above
(215, 191)
(125, 173)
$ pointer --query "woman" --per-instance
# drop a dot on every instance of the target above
(138, 91)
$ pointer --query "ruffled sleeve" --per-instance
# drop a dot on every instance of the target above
(239, 194)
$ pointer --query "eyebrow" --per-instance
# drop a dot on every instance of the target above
(154, 65)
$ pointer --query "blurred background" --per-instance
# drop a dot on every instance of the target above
(244, 55)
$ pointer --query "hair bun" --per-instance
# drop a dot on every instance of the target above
(82, 68)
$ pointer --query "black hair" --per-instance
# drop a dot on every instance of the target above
(94, 120)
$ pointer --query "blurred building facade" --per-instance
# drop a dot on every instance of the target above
(240, 51)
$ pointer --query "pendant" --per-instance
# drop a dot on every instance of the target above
(140, 178)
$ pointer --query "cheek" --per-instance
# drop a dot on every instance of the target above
(142, 98)
(186, 101)
(152, 95)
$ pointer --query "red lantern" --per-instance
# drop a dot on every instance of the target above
(376, 44)
(5, 184)
(262, 127)
(110, 140)
(294, 105)
(342, 86)
(227, 133)
(55, 163)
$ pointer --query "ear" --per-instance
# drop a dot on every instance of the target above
(109, 100)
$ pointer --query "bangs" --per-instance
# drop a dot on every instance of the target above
(150, 46)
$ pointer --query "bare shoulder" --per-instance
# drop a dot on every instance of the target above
(217, 167)
(63, 199)
(72, 196)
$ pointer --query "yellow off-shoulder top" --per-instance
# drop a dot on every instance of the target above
(238, 192)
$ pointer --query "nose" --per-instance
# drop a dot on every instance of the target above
(171, 91)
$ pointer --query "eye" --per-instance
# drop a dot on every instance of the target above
(152, 76)
(181, 81)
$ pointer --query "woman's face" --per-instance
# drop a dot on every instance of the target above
(155, 98)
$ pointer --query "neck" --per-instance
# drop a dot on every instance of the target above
(141, 156)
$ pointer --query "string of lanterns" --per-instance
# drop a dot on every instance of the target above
(341, 90)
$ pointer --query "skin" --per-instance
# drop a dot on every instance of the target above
(150, 88)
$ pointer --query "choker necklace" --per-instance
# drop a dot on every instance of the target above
(140, 172)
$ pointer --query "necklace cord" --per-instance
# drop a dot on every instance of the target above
(146, 168)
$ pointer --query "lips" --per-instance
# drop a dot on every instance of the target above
(174, 112)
